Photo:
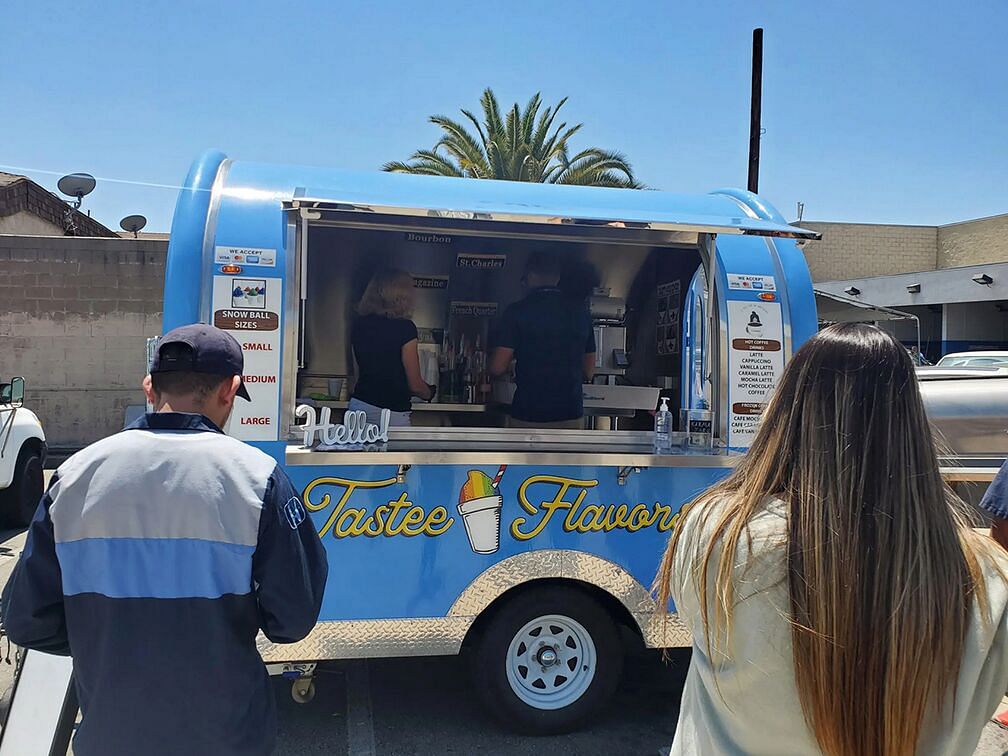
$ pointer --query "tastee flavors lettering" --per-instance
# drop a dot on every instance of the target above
(544, 500)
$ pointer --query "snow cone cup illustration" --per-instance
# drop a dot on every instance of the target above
(480, 505)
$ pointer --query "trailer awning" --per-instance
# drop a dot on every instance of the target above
(833, 308)
(452, 199)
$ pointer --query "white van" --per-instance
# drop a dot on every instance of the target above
(22, 452)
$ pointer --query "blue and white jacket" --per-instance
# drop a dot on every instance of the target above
(154, 560)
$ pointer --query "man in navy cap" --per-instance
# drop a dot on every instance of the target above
(155, 558)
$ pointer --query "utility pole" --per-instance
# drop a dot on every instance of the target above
(756, 105)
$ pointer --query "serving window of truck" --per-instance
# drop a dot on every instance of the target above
(530, 546)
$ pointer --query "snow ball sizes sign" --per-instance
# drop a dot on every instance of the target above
(756, 361)
(249, 308)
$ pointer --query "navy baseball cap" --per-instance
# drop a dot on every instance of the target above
(211, 350)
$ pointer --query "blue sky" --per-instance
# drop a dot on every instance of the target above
(890, 111)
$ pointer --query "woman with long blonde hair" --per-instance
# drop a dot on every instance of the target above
(839, 601)
(385, 346)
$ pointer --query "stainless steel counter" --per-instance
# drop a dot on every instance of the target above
(513, 446)
(420, 406)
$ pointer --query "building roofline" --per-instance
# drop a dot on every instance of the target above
(25, 195)
(806, 221)
(974, 220)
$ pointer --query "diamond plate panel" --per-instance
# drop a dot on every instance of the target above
(360, 639)
(364, 639)
(504, 575)
(663, 630)
(659, 631)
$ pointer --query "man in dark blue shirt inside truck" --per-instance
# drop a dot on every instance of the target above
(549, 334)
(156, 557)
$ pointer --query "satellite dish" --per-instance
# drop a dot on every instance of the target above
(133, 223)
(76, 185)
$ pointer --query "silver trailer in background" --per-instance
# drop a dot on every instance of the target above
(969, 411)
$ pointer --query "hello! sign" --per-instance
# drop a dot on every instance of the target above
(355, 430)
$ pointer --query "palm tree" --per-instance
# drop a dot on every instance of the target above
(517, 148)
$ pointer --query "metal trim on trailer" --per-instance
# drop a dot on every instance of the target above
(299, 456)
(434, 636)
(209, 241)
(719, 314)
(785, 301)
(592, 234)
(761, 228)
(292, 325)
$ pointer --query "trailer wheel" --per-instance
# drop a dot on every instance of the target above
(548, 660)
(21, 499)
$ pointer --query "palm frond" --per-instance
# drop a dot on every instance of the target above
(512, 126)
(397, 166)
(462, 145)
(498, 162)
(546, 123)
(428, 163)
(528, 117)
(478, 125)
(597, 167)
(557, 144)
(609, 156)
(523, 145)
(491, 112)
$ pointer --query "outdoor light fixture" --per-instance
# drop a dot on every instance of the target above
(913, 289)
(853, 291)
(983, 279)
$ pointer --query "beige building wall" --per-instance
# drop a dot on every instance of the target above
(973, 242)
(75, 313)
(28, 224)
(857, 250)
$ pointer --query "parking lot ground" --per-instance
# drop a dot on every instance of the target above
(421, 706)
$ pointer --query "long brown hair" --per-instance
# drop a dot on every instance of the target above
(882, 566)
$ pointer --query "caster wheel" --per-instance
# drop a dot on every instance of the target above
(303, 691)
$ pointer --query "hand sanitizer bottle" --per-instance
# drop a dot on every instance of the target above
(663, 428)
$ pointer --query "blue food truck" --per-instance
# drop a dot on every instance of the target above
(532, 549)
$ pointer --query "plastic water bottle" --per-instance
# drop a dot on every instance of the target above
(663, 428)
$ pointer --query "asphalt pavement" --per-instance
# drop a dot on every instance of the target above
(427, 706)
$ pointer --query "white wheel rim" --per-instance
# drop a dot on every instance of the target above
(551, 662)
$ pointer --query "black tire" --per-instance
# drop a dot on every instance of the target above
(21, 499)
(490, 660)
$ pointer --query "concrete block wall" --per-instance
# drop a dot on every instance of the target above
(973, 242)
(75, 313)
(856, 250)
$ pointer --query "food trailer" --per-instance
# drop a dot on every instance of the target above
(533, 550)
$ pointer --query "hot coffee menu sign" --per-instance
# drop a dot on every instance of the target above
(755, 364)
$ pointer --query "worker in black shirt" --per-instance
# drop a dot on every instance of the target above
(549, 334)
